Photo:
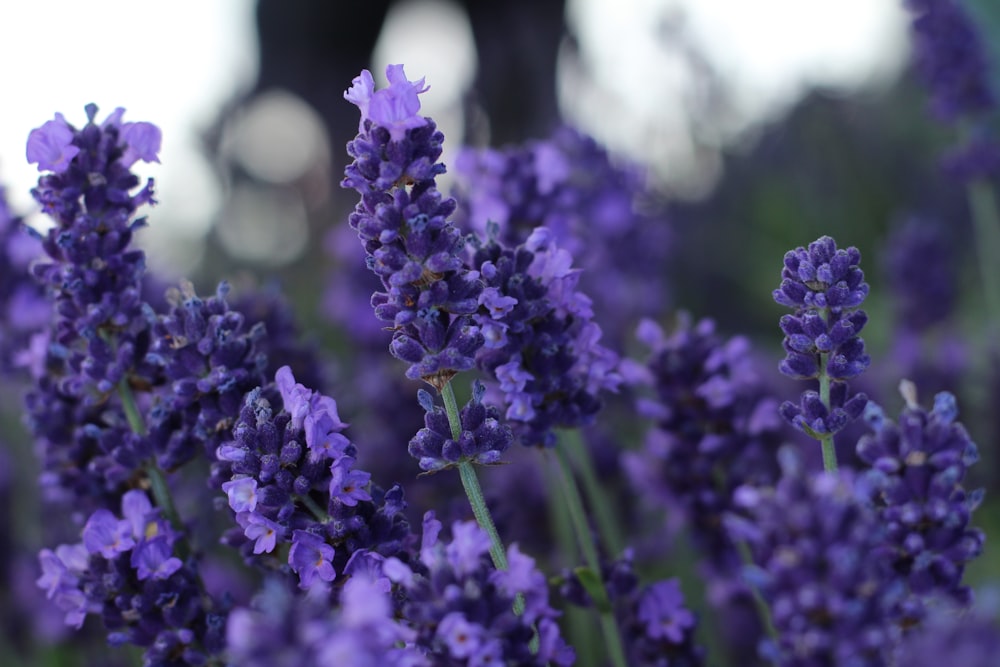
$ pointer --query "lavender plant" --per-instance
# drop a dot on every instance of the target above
(198, 430)
(825, 286)
(816, 546)
(918, 466)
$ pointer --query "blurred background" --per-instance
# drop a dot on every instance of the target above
(757, 127)
(249, 95)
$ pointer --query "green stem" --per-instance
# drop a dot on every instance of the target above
(826, 440)
(986, 221)
(470, 482)
(579, 622)
(482, 513)
(601, 504)
(574, 504)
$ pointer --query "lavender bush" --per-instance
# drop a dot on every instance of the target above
(579, 500)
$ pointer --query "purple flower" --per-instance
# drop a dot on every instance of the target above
(137, 510)
(597, 208)
(457, 611)
(545, 349)
(521, 575)
(142, 142)
(661, 608)
(402, 219)
(917, 470)
(153, 558)
(294, 397)
(950, 637)
(51, 145)
(360, 95)
(322, 427)
(394, 108)
(655, 625)
(310, 557)
(100, 326)
(461, 637)
(284, 628)
(468, 545)
(347, 484)
(297, 491)
(107, 535)
(242, 494)
(263, 531)
(60, 568)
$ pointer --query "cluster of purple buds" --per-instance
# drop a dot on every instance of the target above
(125, 571)
(541, 343)
(825, 286)
(209, 358)
(918, 465)
(290, 478)
(430, 295)
(93, 274)
(101, 326)
(483, 438)
(716, 429)
(462, 608)
(820, 563)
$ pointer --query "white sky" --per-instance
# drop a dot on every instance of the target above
(174, 62)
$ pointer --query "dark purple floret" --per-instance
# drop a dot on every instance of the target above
(825, 286)
(289, 476)
(209, 358)
(819, 562)
(951, 59)
(126, 572)
(917, 470)
(429, 295)
(542, 345)
(101, 328)
(484, 438)
(812, 416)
(461, 607)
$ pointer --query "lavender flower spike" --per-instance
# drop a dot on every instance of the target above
(483, 439)
(429, 294)
(825, 286)
(917, 467)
